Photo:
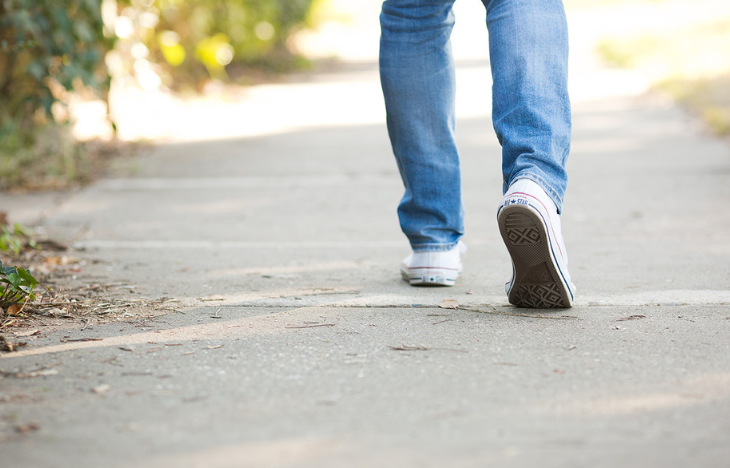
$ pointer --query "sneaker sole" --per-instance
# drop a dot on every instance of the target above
(537, 282)
(429, 277)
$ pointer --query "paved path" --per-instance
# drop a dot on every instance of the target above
(299, 345)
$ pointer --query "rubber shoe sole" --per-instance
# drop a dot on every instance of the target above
(537, 282)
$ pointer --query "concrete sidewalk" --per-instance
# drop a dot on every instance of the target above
(299, 345)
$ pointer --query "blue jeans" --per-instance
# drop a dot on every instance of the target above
(528, 47)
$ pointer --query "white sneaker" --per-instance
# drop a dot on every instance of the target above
(530, 226)
(433, 268)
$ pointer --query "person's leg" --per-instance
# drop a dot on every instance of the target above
(417, 75)
(528, 46)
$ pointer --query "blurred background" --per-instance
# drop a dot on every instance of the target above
(84, 81)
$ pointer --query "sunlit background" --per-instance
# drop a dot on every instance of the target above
(172, 70)
(228, 229)
(618, 46)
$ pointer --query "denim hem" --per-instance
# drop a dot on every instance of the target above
(548, 190)
(434, 247)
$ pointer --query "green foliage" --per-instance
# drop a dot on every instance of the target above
(53, 161)
(47, 48)
(14, 238)
(19, 285)
(709, 98)
(689, 61)
(195, 39)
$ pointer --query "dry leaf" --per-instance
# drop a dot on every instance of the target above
(61, 260)
(14, 310)
(449, 304)
(40, 372)
(28, 333)
(27, 428)
(9, 346)
(103, 388)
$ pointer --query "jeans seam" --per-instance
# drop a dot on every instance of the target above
(440, 247)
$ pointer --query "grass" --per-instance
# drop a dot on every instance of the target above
(52, 160)
(707, 97)
(690, 62)
(55, 160)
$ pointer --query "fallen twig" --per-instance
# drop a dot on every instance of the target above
(408, 348)
(515, 314)
(405, 347)
(81, 339)
(41, 371)
(630, 317)
(9, 346)
(312, 326)
(8, 323)
(325, 292)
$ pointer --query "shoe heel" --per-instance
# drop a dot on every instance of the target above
(536, 282)
(432, 279)
(521, 229)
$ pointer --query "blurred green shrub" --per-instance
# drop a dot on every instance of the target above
(689, 61)
(46, 50)
(49, 49)
(193, 40)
